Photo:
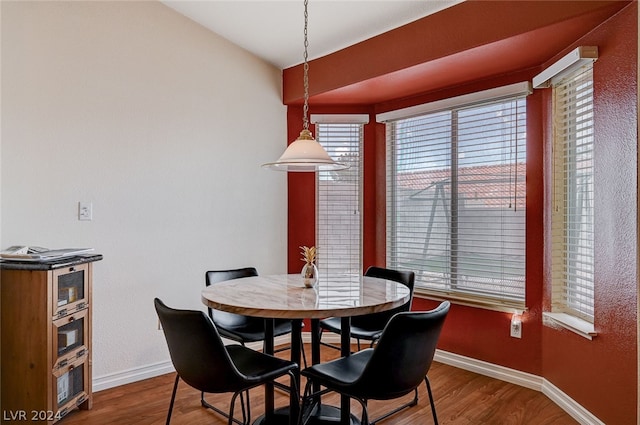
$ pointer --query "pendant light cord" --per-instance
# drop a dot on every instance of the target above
(305, 68)
(305, 153)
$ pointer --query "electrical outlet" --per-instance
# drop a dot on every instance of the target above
(516, 329)
(85, 211)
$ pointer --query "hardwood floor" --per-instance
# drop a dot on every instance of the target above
(461, 397)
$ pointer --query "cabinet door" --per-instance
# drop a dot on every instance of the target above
(70, 338)
(70, 290)
(70, 386)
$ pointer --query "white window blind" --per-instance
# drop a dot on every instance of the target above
(456, 200)
(338, 217)
(573, 209)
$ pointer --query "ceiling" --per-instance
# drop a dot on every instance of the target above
(410, 49)
(273, 29)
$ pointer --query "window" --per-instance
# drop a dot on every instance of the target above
(456, 197)
(573, 212)
(338, 217)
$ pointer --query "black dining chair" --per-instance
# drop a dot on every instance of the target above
(203, 361)
(238, 327)
(369, 326)
(396, 366)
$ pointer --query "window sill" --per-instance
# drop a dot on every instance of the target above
(572, 323)
(471, 301)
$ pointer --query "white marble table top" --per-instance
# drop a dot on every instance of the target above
(284, 296)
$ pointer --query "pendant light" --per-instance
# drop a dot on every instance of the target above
(305, 153)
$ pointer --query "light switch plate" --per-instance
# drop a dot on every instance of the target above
(85, 211)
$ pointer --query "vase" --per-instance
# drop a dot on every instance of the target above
(309, 275)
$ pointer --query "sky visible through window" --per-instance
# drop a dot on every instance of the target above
(477, 127)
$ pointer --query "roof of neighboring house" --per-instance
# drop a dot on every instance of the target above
(487, 185)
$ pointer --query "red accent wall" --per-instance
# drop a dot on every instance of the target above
(302, 190)
(437, 51)
(301, 207)
(601, 375)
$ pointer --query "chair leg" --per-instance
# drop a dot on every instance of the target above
(433, 405)
(242, 407)
(173, 398)
(215, 409)
(233, 405)
(309, 401)
(246, 419)
(306, 399)
(326, 344)
(365, 411)
(412, 403)
(294, 396)
(246, 413)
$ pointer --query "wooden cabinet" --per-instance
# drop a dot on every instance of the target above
(46, 339)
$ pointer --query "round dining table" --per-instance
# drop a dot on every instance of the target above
(286, 297)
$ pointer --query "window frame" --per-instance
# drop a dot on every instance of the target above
(573, 251)
(341, 120)
(487, 96)
(566, 68)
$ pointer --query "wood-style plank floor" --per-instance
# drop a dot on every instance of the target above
(461, 397)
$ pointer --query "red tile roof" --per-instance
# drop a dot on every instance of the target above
(488, 185)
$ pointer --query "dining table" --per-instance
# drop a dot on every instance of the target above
(285, 296)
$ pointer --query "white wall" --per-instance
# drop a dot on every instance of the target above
(162, 125)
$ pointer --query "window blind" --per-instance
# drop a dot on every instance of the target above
(456, 199)
(338, 218)
(573, 215)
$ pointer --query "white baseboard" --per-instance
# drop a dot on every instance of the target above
(131, 375)
(535, 382)
(575, 410)
(569, 405)
(489, 369)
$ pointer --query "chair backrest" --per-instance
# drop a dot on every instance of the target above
(197, 351)
(379, 320)
(404, 353)
(223, 318)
